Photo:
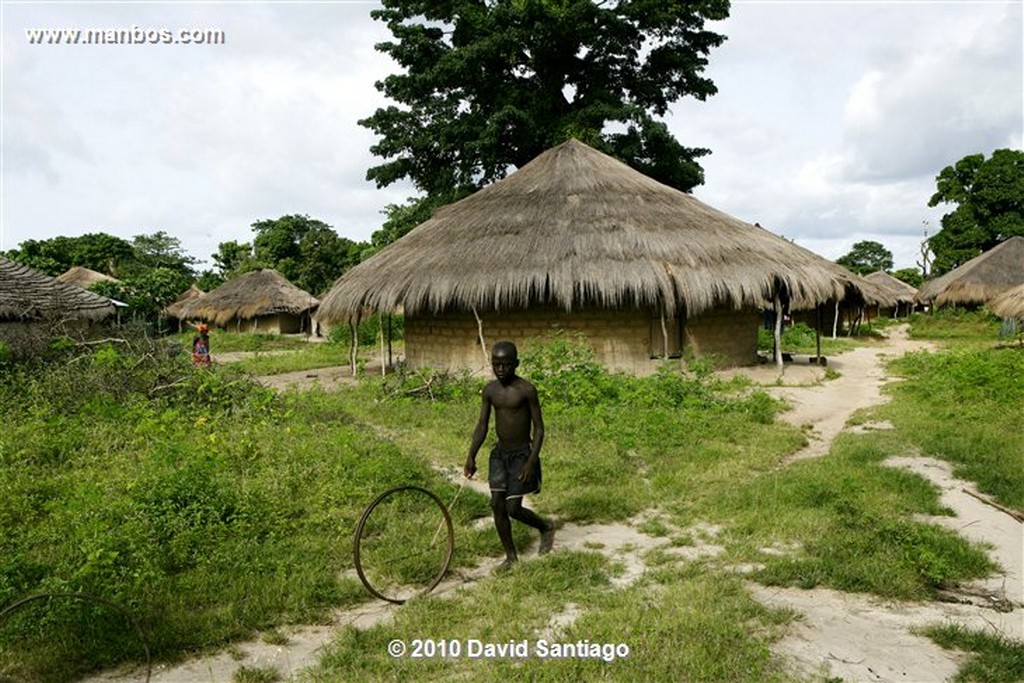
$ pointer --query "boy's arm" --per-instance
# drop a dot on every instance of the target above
(537, 419)
(479, 434)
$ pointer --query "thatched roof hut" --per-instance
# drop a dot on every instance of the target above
(577, 231)
(27, 294)
(1009, 304)
(258, 301)
(980, 279)
(576, 227)
(174, 309)
(899, 290)
(83, 277)
(34, 307)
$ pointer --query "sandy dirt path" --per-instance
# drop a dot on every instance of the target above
(854, 637)
(860, 637)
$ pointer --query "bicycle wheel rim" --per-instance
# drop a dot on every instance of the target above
(449, 548)
(88, 597)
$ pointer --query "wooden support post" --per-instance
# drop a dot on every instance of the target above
(777, 305)
(480, 335)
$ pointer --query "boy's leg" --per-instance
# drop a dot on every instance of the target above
(504, 526)
(527, 516)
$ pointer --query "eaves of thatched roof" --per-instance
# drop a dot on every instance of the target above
(979, 280)
(903, 292)
(1009, 304)
(27, 294)
(256, 293)
(576, 227)
(83, 277)
(174, 309)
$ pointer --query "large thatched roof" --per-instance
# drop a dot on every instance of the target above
(576, 227)
(1009, 304)
(259, 292)
(83, 277)
(27, 294)
(174, 309)
(900, 290)
(980, 279)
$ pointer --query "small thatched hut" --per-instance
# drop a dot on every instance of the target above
(1009, 305)
(903, 293)
(35, 306)
(258, 301)
(580, 241)
(83, 277)
(980, 279)
(173, 310)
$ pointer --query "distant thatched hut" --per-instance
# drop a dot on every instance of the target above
(83, 277)
(580, 241)
(174, 310)
(902, 293)
(979, 280)
(35, 306)
(258, 301)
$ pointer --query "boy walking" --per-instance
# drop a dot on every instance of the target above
(514, 466)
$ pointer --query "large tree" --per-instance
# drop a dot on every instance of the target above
(866, 257)
(989, 198)
(160, 250)
(232, 258)
(308, 252)
(487, 86)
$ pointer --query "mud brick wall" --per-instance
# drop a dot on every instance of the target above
(727, 336)
(620, 338)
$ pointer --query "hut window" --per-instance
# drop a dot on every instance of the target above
(672, 329)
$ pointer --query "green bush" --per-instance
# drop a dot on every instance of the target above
(369, 331)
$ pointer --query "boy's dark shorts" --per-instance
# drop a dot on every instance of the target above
(503, 472)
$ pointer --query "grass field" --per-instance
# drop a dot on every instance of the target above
(212, 508)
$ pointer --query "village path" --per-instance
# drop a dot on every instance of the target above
(849, 636)
(857, 637)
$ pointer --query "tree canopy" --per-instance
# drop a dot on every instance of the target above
(866, 257)
(488, 86)
(306, 251)
(912, 276)
(988, 195)
(95, 250)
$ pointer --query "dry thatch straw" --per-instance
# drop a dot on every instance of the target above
(174, 309)
(83, 277)
(256, 293)
(903, 292)
(27, 294)
(575, 227)
(1009, 304)
(980, 279)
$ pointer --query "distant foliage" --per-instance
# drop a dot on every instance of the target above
(912, 276)
(867, 257)
(368, 331)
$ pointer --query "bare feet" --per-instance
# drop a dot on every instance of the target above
(547, 539)
(507, 564)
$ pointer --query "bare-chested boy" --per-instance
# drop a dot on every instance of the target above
(514, 467)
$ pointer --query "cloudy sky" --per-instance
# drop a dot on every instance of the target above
(831, 121)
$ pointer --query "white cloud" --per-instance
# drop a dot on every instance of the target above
(936, 96)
